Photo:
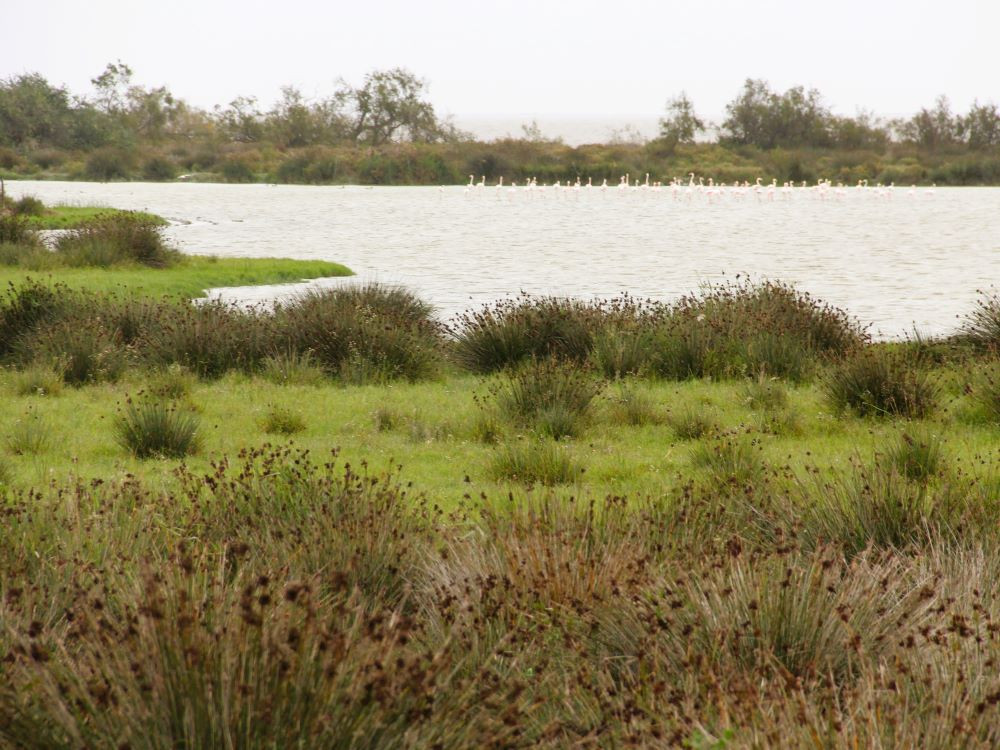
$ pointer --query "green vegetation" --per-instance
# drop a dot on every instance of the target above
(385, 132)
(339, 523)
(106, 250)
(75, 217)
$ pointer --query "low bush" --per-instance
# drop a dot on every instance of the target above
(692, 421)
(155, 428)
(551, 397)
(281, 420)
(766, 394)
(982, 325)
(512, 331)
(209, 339)
(82, 351)
(15, 229)
(363, 333)
(118, 237)
(632, 406)
(28, 205)
(881, 382)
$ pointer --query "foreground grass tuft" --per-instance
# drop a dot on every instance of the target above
(157, 429)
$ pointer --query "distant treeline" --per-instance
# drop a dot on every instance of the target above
(385, 132)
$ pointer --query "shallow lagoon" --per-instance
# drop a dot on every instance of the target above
(899, 261)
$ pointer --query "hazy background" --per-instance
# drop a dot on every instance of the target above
(580, 68)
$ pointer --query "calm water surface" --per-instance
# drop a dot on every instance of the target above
(899, 262)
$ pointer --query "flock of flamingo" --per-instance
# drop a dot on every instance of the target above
(694, 188)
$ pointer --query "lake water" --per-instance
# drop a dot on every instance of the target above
(912, 259)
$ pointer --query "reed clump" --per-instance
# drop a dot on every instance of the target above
(282, 600)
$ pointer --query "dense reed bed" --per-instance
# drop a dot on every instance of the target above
(288, 600)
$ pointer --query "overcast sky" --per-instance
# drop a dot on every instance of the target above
(527, 58)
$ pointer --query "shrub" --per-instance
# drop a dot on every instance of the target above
(157, 428)
(749, 327)
(363, 333)
(28, 205)
(808, 617)
(109, 163)
(982, 325)
(510, 332)
(207, 338)
(83, 351)
(881, 382)
(158, 169)
(985, 390)
(29, 435)
(172, 383)
(877, 506)
(618, 352)
(282, 421)
(15, 229)
(118, 237)
(27, 306)
(916, 454)
(533, 462)
(237, 170)
(546, 395)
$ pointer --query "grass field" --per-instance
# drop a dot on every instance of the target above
(71, 217)
(435, 432)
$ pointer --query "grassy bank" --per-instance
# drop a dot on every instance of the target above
(73, 217)
(107, 250)
(188, 278)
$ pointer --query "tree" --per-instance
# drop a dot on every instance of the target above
(32, 111)
(981, 127)
(932, 128)
(761, 117)
(388, 106)
(681, 124)
(241, 121)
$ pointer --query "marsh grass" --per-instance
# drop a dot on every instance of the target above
(534, 462)
(173, 383)
(917, 454)
(38, 380)
(114, 238)
(730, 460)
(293, 368)
(879, 383)
(29, 435)
(692, 421)
(280, 420)
(550, 396)
(766, 394)
(156, 428)
(630, 405)
(82, 351)
(982, 325)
